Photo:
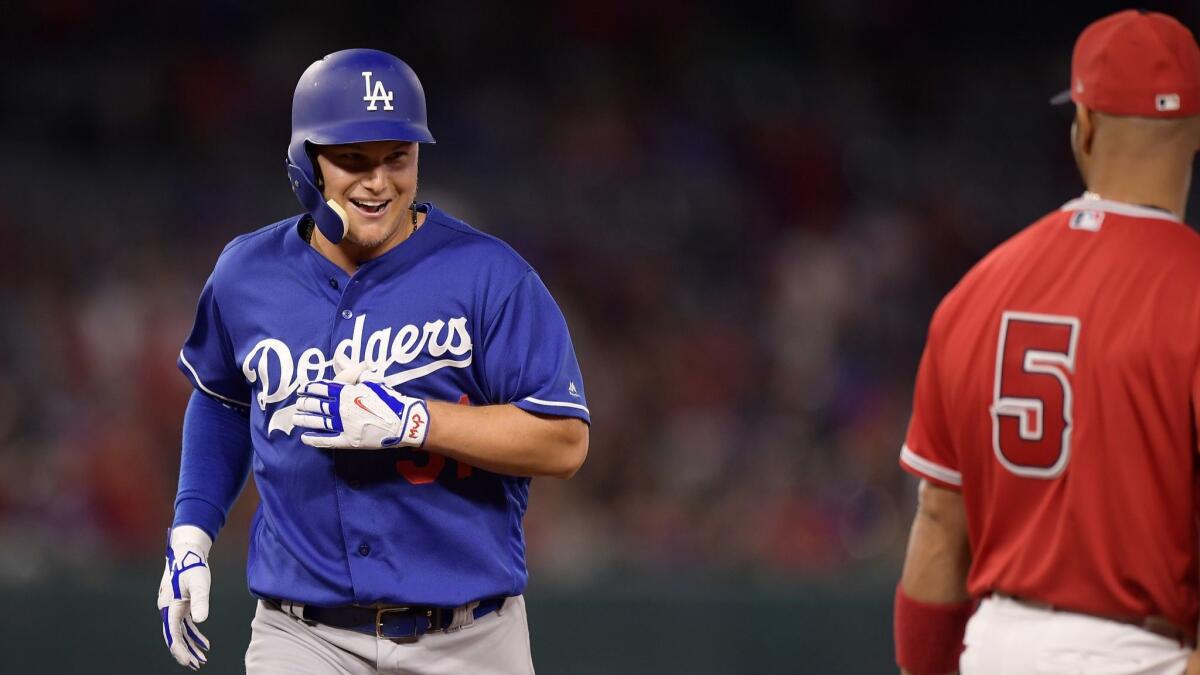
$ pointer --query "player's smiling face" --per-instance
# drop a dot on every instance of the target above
(374, 183)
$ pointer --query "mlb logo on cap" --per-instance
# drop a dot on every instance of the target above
(1166, 102)
(1136, 63)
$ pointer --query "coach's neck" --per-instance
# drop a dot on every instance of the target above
(1136, 160)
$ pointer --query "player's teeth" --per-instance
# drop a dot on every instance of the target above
(373, 207)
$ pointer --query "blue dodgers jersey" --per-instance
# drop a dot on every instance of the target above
(456, 315)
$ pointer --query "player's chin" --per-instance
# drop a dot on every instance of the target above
(372, 234)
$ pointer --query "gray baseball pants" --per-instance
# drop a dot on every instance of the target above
(495, 644)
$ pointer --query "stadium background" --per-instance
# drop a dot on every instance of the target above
(748, 213)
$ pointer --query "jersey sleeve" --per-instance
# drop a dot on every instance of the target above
(928, 450)
(528, 358)
(1196, 407)
(207, 357)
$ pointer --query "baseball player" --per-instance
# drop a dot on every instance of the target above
(394, 378)
(1054, 421)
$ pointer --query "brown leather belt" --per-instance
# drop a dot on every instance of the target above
(1157, 624)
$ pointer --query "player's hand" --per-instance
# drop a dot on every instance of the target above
(353, 410)
(1193, 663)
(350, 372)
(183, 595)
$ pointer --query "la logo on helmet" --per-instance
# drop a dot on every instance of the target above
(380, 94)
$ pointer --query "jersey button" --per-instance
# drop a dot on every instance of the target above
(333, 283)
(364, 550)
(347, 314)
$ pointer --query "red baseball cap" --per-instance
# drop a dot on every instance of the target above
(1136, 63)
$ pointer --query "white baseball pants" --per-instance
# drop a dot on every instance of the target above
(495, 644)
(1009, 637)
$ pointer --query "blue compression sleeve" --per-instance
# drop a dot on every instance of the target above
(214, 465)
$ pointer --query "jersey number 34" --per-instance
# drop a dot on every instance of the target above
(430, 467)
(1032, 399)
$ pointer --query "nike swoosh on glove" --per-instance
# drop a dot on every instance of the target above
(361, 415)
(183, 595)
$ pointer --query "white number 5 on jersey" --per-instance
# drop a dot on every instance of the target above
(1031, 403)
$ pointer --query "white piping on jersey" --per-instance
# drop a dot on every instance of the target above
(1120, 208)
(558, 404)
(205, 389)
(931, 469)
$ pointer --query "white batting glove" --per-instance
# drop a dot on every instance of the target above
(183, 595)
(355, 411)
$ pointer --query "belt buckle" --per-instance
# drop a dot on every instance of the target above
(379, 613)
(432, 616)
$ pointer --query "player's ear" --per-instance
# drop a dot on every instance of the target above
(1083, 130)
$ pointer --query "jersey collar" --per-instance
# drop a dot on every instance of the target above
(411, 249)
(1094, 203)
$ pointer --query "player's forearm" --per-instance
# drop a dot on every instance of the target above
(505, 439)
(938, 557)
(214, 464)
(931, 609)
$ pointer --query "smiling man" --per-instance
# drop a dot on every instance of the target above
(368, 183)
(395, 377)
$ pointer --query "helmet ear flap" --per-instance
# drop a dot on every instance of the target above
(329, 217)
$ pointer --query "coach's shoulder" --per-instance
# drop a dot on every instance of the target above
(1182, 237)
(1176, 253)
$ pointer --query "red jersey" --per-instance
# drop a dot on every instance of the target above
(1059, 392)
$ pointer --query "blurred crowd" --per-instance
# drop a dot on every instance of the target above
(747, 220)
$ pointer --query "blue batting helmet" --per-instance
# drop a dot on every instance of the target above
(351, 96)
